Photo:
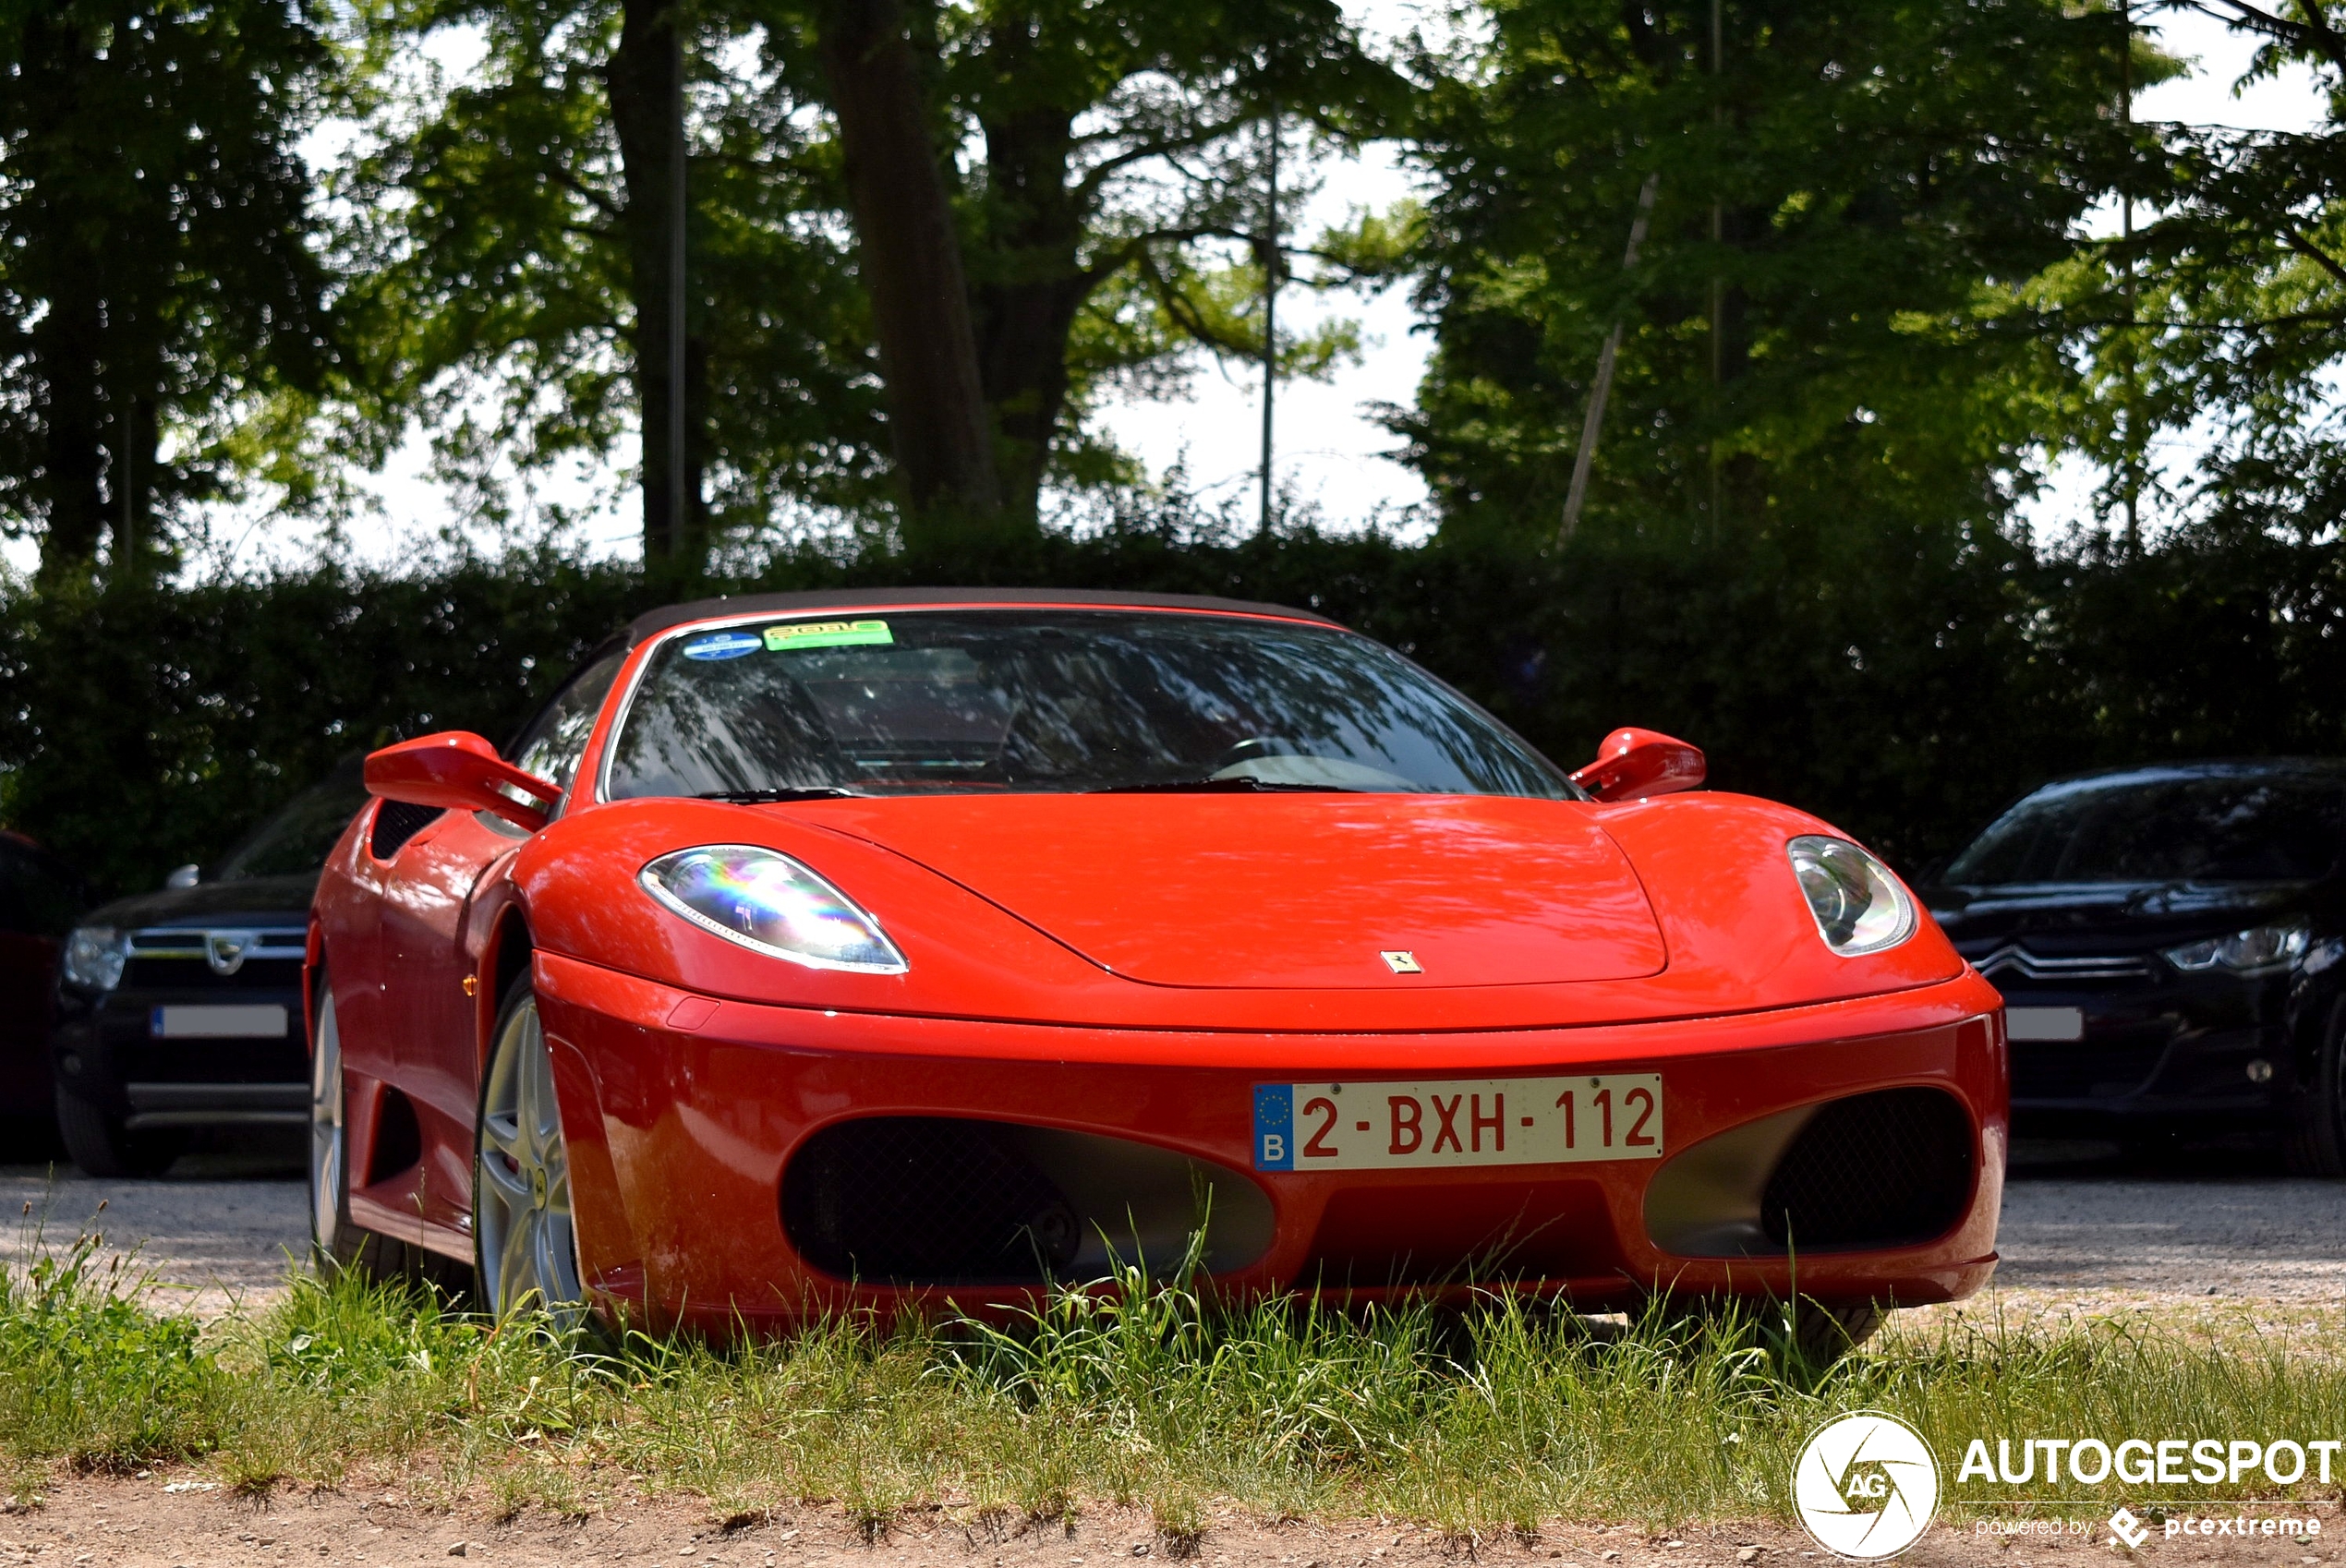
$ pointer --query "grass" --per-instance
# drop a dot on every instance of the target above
(1140, 1394)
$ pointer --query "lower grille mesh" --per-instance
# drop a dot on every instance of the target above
(927, 1201)
(1873, 1170)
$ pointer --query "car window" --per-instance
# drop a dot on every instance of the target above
(2222, 829)
(550, 746)
(1028, 700)
(297, 836)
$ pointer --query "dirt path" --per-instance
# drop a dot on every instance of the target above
(140, 1524)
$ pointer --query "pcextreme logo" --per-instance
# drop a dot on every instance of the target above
(1866, 1486)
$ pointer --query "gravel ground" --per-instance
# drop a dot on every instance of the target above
(223, 1227)
(2080, 1228)
(136, 1524)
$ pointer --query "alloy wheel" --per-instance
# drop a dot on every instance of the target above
(528, 1252)
(328, 1143)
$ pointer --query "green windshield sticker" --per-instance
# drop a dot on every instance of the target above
(827, 635)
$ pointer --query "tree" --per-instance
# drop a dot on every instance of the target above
(2219, 317)
(510, 258)
(1830, 318)
(911, 257)
(1118, 137)
(156, 269)
(854, 291)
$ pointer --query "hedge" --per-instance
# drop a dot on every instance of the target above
(1904, 686)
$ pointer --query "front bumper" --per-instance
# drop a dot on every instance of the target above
(681, 1113)
(105, 1051)
(2198, 1049)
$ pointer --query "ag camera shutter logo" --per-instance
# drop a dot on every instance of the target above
(1866, 1486)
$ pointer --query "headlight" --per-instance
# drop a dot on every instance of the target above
(768, 903)
(94, 957)
(1858, 905)
(2245, 952)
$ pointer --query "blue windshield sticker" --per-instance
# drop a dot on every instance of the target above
(723, 645)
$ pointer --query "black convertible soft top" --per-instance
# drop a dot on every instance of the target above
(653, 623)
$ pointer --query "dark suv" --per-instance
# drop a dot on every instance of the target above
(181, 1009)
(2168, 942)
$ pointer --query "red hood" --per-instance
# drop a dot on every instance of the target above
(1292, 891)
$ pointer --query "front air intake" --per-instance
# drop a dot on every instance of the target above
(1885, 1169)
(931, 1200)
(924, 1199)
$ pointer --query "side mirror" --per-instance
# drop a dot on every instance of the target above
(460, 770)
(183, 877)
(1634, 764)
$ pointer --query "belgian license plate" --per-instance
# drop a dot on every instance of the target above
(1490, 1121)
(217, 1023)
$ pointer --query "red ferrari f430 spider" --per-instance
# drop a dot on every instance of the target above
(820, 951)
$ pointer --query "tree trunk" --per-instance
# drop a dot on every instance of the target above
(68, 343)
(645, 112)
(1027, 293)
(911, 257)
(132, 450)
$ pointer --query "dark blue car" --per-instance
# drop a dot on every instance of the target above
(2168, 941)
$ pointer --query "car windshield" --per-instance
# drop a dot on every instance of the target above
(938, 701)
(2239, 827)
(301, 833)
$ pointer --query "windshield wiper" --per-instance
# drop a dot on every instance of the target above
(771, 797)
(1239, 786)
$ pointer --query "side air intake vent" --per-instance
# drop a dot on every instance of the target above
(395, 823)
(1884, 1169)
(919, 1201)
(1873, 1170)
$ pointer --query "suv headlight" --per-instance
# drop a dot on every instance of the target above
(771, 904)
(1858, 905)
(94, 957)
(2252, 951)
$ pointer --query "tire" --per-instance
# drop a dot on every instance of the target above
(525, 1245)
(1823, 1331)
(102, 1146)
(337, 1246)
(2313, 1133)
(1826, 1331)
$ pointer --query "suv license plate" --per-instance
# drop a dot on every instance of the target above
(1488, 1121)
(217, 1023)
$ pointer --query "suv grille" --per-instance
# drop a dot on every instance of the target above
(222, 958)
(2019, 963)
(1874, 1170)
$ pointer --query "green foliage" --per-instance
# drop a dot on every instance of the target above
(2215, 320)
(145, 719)
(488, 255)
(1497, 1415)
(88, 1373)
(1825, 320)
(157, 273)
(1902, 685)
